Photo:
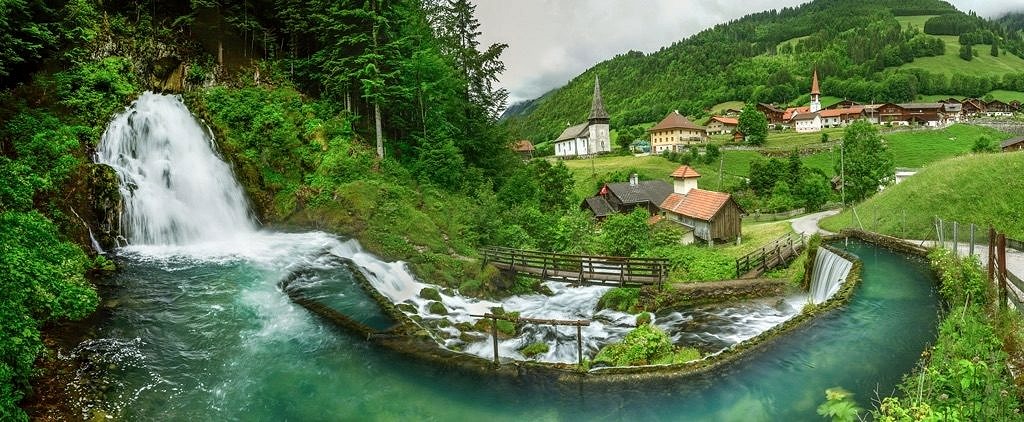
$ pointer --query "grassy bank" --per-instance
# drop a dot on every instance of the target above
(980, 189)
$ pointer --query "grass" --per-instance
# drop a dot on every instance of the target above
(999, 94)
(982, 65)
(586, 172)
(920, 147)
(720, 108)
(980, 189)
(914, 21)
(755, 236)
(789, 139)
(793, 41)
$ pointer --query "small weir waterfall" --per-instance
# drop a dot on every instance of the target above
(196, 326)
(830, 271)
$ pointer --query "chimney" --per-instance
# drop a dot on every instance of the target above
(634, 180)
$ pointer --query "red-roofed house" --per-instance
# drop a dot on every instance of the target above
(524, 148)
(713, 216)
(722, 125)
(674, 133)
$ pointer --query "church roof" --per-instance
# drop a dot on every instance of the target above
(814, 84)
(674, 120)
(572, 132)
(597, 110)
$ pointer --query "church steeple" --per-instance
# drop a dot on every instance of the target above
(815, 93)
(597, 112)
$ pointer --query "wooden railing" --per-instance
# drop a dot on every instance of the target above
(775, 253)
(584, 269)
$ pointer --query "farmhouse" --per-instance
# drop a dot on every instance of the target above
(998, 108)
(524, 148)
(674, 133)
(626, 196)
(1015, 144)
(713, 216)
(587, 138)
(772, 113)
(807, 122)
(837, 117)
(719, 125)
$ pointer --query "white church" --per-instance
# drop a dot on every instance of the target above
(587, 138)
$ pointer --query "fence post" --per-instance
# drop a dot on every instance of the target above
(942, 235)
(991, 253)
(956, 243)
(971, 252)
(579, 343)
(1002, 270)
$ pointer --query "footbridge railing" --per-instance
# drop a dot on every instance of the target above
(580, 269)
(774, 254)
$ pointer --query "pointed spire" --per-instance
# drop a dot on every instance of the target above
(814, 83)
(597, 111)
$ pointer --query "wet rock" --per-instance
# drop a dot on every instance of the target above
(437, 308)
(407, 308)
(430, 293)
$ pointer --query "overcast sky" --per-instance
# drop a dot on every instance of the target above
(551, 41)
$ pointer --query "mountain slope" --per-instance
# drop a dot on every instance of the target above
(856, 46)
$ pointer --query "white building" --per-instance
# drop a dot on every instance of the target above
(807, 122)
(587, 138)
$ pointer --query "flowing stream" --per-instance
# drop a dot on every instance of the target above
(830, 271)
(195, 326)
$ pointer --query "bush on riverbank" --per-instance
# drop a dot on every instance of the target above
(964, 376)
(645, 345)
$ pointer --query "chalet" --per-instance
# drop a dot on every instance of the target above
(624, 197)
(807, 122)
(674, 133)
(841, 116)
(713, 216)
(928, 114)
(952, 113)
(1015, 105)
(772, 113)
(998, 108)
(524, 148)
(844, 104)
(722, 125)
(1015, 144)
(888, 113)
(588, 138)
(973, 107)
(790, 113)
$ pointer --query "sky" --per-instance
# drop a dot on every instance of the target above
(552, 41)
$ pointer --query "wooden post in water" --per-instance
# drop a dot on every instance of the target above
(1002, 270)
(579, 343)
(494, 335)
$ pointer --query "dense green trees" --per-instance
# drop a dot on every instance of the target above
(866, 164)
(753, 125)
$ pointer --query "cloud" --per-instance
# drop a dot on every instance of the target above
(552, 41)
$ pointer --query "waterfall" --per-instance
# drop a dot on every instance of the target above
(830, 271)
(176, 189)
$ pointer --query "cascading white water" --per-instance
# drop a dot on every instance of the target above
(829, 273)
(183, 206)
(176, 189)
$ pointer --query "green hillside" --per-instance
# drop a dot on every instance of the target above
(864, 50)
(983, 64)
(980, 189)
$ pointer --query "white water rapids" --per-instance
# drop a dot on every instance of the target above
(830, 271)
(183, 206)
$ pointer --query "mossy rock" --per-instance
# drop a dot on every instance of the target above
(407, 308)
(534, 349)
(430, 294)
(444, 323)
(464, 326)
(471, 338)
(507, 328)
(437, 308)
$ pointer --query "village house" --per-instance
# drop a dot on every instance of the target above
(712, 216)
(998, 108)
(1015, 144)
(624, 197)
(524, 148)
(807, 122)
(675, 133)
(772, 113)
(972, 107)
(719, 125)
(838, 117)
(588, 138)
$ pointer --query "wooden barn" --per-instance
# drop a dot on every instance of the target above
(713, 216)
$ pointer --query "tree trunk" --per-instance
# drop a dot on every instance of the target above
(380, 136)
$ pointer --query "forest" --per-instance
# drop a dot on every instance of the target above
(856, 46)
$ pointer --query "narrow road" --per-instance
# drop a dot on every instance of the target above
(808, 224)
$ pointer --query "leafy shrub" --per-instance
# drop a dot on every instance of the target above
(534, 349)
(642, 346)
(692, 262)
(622, 299)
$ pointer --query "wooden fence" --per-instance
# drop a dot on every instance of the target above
(774, 254)
(582, 269)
